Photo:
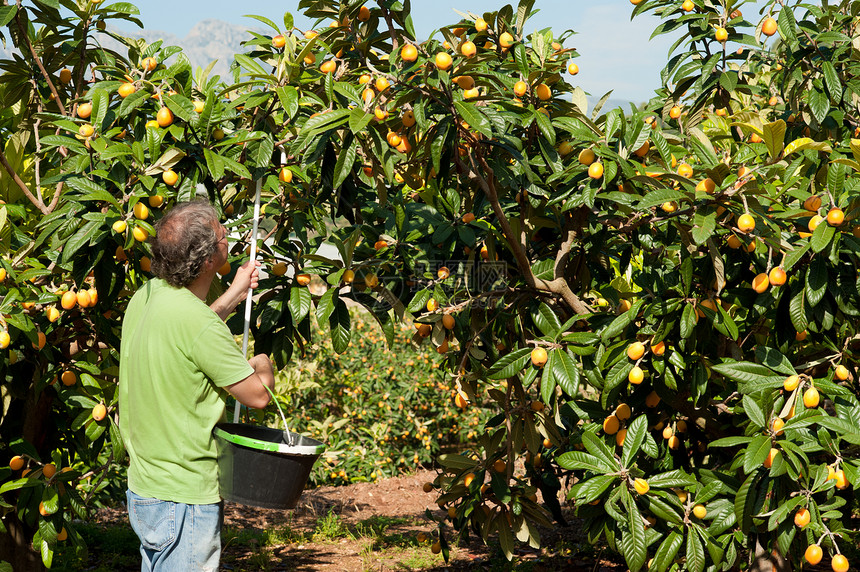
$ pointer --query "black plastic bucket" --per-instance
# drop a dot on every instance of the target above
(258, 467)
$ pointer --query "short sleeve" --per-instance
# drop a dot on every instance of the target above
(217, 355)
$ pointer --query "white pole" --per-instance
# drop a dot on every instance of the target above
(248, 301)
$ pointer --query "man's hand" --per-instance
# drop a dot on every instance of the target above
(247, 276)
(251, 391)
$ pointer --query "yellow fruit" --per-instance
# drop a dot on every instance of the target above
(777, 276)
(675, 112)
(586, 156)
(86, 130)
(706, 185)
(835, 217)
(685, 170)
(443, 60)
(141, 211)
(813, 554)
(126, 89)
(699, 511)
(409, 53)
(674, 442)
(641, 486)
(623, 412)
(139, 234)
(801, 518)
(539, 357)
(382, 84)
(595, 170)
(777, 426)
(348, 276)
(746, 223)
(506, 40)
(279, 41)
(841, 373)
(636, 350)
(285, 175)
(636, 375)
(149, 64)
(65, 75)
(467, 480)
(611, 425)
(68, 300)
(768, 27)
(303, 279)
(52, 314)
(169, 177)
(85, 110)
(760, 283)
(279, 268)
(814, 222)
(721, 35)
(768, 462)
(84, 300)
(468, 49)
(791, 382)
(811, 398)
(839, 563)
(688, 6)
(543, 91)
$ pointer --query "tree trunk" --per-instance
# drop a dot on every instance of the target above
(15, 545)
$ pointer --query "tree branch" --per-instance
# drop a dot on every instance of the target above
(21, 185)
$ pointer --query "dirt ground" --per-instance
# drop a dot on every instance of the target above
(395, 506)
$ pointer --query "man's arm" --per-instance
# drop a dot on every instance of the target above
(247, 276)
(251, 391)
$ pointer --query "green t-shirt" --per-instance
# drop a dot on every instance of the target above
(176, 355)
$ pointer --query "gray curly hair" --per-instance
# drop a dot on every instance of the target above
(185, 238)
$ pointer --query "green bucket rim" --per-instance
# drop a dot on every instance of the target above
(269, 445)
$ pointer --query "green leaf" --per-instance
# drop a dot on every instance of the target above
(676, 478)
(821, 237)
(703, 227)
(695, 553)
(754, 412)
(667, 551)
(476, 120)
(339, 324)
(744, 502)
(634, 545)
(565, 371)
(359, 120)
(510, 364)
(819, 104)
(774, 137)
(730, 441)
(658, 197)
(816, 281)
(546, 320)
(214, 162)
(90, 191)
(831, 80)
(598, 448)
(756, 453)
(636, 432)
(345, 162)
(300, 303)
(581, 461)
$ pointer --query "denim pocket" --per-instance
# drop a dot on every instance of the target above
(153, 520)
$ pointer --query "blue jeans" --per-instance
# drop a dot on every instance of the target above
(176, 536)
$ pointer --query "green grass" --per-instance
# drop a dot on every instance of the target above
(110, 548)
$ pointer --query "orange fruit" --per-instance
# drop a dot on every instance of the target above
(139, 233)
(777, 426)
(68, 378)
(620, 437)
(760, 283)
(164, 117)
(43, 510)
(85, 110)
(86, 130)
(49, 470)
(801, 517)
(371, 280)
(328, 66)
(500, 466)
(126, 89)
(467, 480)
(841, 373)
(169, 177)
(443, 60)
(685, 170)
(675, 112)
(688, 5)
(424, 330)
(539, 357)
(652, 399)
(595, 170)
(468, 48)
(813, 554)
(839, 563)
(636, 375)
(155, 201)
(468, 218)
(768, 27)
(279, 41)
(285, 175)
(586, 156)
(746, 223)
(149, 64)
(835, 216)
(436, 547)
(448, 321)
(777, 276)
(62, 535)
(572, 68)
(84, 298)
(461, 400)
(811, 398)
(623, 412)
(303, 279)
(465, 81)
(141, 211)
(706, 185)
(543, 91)
(659, 348)
(382, 84)
(812, 204)
(68, 300)
(636, 350)
(506, 40)
(721, 34)
(791, 382)
(52, 313)
(409, 53)
(16, 463)
(65, 75)
(611, 425)
(814, 222)
(520, 88)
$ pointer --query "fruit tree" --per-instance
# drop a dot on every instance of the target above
(659, 303)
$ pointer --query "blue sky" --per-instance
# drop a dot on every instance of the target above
(615, 52)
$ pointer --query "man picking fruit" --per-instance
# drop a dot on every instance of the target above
(178, 362)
